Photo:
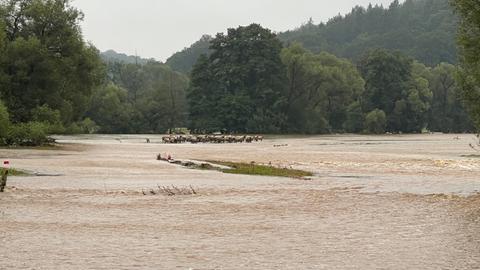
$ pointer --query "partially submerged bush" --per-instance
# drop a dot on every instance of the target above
(50, 118)
(87, 126)
(28, 134)
(376, 122)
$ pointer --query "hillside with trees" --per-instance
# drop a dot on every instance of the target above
(53, 82)
(112, 56)
(147, 98)
(469, 43)
(422, 29)
(183, 61)
(47, 70)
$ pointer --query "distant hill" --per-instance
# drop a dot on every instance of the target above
(422, 29)
(112, 56)
(183, 61)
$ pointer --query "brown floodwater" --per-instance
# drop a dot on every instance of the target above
(375, 202)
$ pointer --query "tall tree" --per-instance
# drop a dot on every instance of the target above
(247, 82)
(46, 60)
(184, 60)
(148, 98)
(393, 88)
(469, 43)
(447, 112)
(320, 90)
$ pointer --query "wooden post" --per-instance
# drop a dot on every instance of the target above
(3, 182)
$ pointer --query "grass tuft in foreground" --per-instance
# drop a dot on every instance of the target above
(14, 172)
(263, 170)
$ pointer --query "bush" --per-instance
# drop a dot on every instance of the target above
(87, 126)
(28, 134)
(4, 123)
(375, 122)
(50, 118)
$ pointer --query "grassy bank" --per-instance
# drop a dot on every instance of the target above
(263, 170)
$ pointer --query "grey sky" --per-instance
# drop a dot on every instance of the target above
(159, 28)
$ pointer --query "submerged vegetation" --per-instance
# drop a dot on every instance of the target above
(262, 170)
(14, 172)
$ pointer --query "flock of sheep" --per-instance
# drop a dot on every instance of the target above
(174, 139)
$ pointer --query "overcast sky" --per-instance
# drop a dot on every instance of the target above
(159, 28)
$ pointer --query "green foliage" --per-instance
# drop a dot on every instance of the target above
(4, 122)
(184, 61)
(51, 81)
(50, 118)
(355, 118)
(111, 110)
(27, 134)
(376, 122)
(447, 112)
(255, 169)
(469, 45)
(147, 98)
(321, 89)
(239, 87)
(392, 87)
(422, 29)
(45, 60)
(14, 172)
(86, 126)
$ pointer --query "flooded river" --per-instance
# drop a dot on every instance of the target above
(375, 202)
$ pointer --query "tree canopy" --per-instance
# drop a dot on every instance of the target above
(147, 98)
(422, 29)
(320, 90)
(469, 43)
(44, 60)
(239, 87)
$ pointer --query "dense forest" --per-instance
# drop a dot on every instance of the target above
(183, 61)
(251, 83)
(147, 98)
(469, 44)
(362, 72)
(422, 29)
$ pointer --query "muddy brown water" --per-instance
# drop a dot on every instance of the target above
(375, 202)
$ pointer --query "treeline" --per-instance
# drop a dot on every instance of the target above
(112, 56)
(248, 80)
(422, 29)
(251, 83)
(47, 71)
(147, 98)
(53, 82)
